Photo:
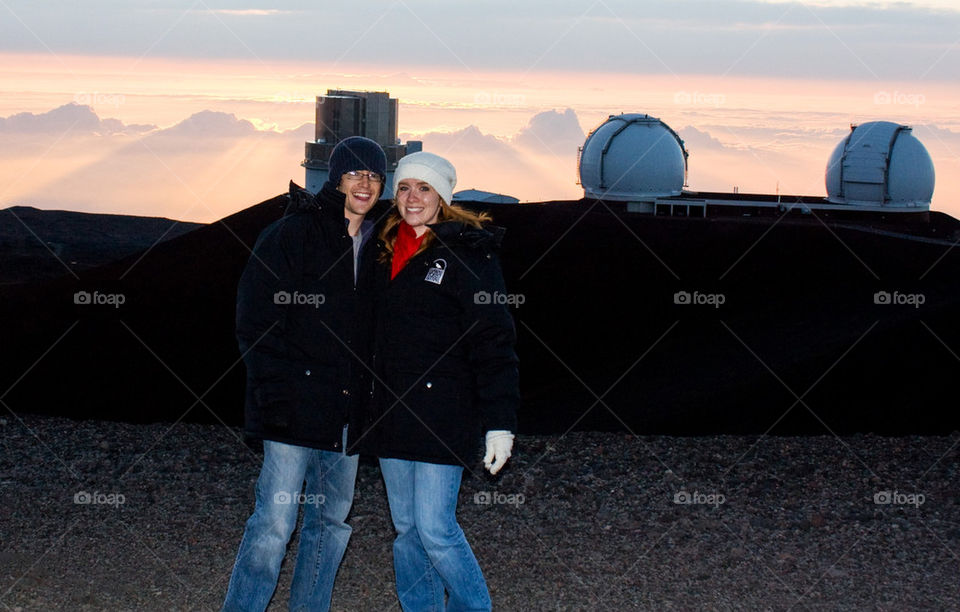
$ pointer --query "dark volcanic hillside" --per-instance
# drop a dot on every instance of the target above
(38, 244)
(603, 343)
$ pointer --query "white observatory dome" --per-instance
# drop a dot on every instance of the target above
(632, 157)
(880, 164)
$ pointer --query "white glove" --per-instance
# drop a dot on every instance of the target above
(499, 445)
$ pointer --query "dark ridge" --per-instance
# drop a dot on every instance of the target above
(42, 244)
(798, 346)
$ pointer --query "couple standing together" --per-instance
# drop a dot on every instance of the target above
(364, 336)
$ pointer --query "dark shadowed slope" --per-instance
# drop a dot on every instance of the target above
(38, 244)
(798, 343)
(154, 355)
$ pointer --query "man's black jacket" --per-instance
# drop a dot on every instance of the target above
(304, 327)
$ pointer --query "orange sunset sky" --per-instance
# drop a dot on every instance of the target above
(197, 110)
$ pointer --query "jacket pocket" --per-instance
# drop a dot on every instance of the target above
(434, 420)
(305, 403)
(274, 403)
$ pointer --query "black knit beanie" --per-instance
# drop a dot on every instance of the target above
(357, 153)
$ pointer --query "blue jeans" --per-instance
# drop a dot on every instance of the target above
(431, 554)
(326, 501)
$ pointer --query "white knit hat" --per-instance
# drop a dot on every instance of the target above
(429, 168)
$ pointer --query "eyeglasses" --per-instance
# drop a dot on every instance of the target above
(353, 175)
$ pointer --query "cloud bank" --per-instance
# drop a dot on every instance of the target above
(860, 40)
(212, 164)
(72, 118)
(201, 169)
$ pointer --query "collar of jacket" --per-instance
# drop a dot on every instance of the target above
(457, 232)
(329, 201)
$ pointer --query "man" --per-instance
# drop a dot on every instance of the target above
(302, 325)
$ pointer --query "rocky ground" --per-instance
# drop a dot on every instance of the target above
(112, 516)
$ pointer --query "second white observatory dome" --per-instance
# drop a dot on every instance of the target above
(880, 163)
(632, 157)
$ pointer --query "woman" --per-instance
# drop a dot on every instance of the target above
(447, 372)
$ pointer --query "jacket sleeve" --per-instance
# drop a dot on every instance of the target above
(491, 340)
(265, 287)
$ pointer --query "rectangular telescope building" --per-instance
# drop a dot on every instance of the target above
(342, 114)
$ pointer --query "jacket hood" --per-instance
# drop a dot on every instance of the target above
(301, 200)
(488, 236)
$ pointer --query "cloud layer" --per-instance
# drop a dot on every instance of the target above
(212, 164)
(838, 40)
(203, 168)
(72, 118)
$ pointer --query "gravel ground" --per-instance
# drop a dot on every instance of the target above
(580, 522)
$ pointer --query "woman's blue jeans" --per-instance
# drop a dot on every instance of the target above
(430, 553)
(326, 501)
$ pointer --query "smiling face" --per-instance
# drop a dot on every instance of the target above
(361, 192)
(418, 203)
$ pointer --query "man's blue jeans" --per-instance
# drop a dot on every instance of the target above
(326, 501)
(431, 553)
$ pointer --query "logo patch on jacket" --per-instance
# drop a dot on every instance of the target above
(435, 273)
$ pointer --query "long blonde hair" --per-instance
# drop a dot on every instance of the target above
(447, 213)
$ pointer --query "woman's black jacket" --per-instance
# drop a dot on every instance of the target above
(445, 360)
